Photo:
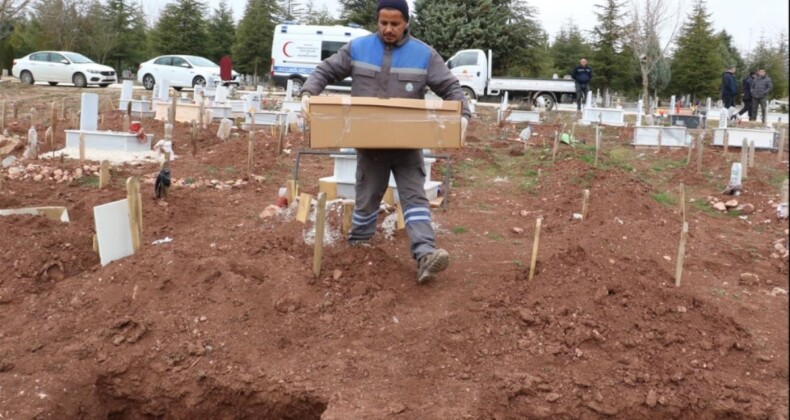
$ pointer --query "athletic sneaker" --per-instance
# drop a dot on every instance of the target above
(432, 264)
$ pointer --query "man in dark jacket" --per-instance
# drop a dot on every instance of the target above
(729, 87)
(747, 96)
(761, 88)
(392, 64)
(582, 74)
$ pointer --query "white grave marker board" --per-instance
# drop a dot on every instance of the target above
(89, 112)
(113, 232)
(126, 90)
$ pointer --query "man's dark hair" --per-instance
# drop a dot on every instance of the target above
(752, 73)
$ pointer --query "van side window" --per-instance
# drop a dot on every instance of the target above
(329, 48)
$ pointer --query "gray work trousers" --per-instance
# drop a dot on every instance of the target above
(372, 179)
(757, 104)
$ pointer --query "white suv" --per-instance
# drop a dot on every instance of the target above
(181, 71)
(62, 67)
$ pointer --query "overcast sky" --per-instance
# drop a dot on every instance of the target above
(744, 19)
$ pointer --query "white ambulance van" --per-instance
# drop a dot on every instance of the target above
(297, 50)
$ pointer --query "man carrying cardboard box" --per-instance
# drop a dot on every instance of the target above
(392, 64)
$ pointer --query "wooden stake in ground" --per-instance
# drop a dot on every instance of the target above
(726, 145)
(126, 123)
(320, 220)
(82, 147)
(63, 109)
(172, 117)
(291, 190)
(681, 254)
(193, 138)
(14, 110)
(691, 148)
(784, 192)
(129, 109)
(135, 211)
(101, 124)
(556, 146)
(2, 119)
(49, 137)
(104, 174)
(683, 202)
(348, 214)
(401, 219)
(200, 112)
(660, 137)
(280, 135)
(250, 152)
(33, 117)
(303, 210)
(744, 159)
(53, 116)
(700, 148)
(535, 244)
(585, 204)
(597, 144)
(751, 154)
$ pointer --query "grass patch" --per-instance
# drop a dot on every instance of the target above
(664, 164)
(231, 170)
(460, 229)
(88, 182)
(664, 198)
(705, 207)
(211, 170)
(495, 236)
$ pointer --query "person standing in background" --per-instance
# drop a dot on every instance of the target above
(582, 74)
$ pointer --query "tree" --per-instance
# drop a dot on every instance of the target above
(57, 24)
(568, 48)
(360, 12)
(646, 23)
(221, 32)
(253, 47)
(697, 65)
(609, 64)
(289, 11)
(125, 25)
(525, 51)
(773, 57)
(10, 10)
(181, 29)
(313, 16)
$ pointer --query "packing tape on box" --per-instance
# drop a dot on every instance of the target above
(436, 122)
(434, 104)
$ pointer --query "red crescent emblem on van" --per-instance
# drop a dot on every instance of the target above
(285, 47)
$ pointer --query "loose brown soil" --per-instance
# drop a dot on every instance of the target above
(228, 321)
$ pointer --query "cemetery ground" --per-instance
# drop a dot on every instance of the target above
(229, 321)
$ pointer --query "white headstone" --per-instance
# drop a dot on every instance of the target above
(723, 117)
(672, 105)
(735, 174)
(221, 95)
(126, 90)
(588, 101)
(5, 72)
(639, 112)
(253, 102)
(598, 100)
(289, 87)
(164, 90)
(112, 231)
(708, 105)
(89, 112)
(259, 89)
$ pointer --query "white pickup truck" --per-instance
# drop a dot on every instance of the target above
(473, 70)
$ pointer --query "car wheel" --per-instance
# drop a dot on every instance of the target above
(104, 85)
(199, 80)
(148, 82)
(79, 80)
(26, 77)
(177, 88)
(548, 98)
(469, 93)
(53, 83)
(298, 82)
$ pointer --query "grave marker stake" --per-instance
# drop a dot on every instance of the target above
(691, 149)
(104, 174)
(129, 109)
(784, 191)
(249, 153)
(53, 116)
(303, 210)
(781, 143)
(348, 211)
(126, 123)
(173, 105)
(280, 135)
(101, 124)
(401, 219)
(660, 137)
(82, 147)
(49, 136)
(681, 254)
(683, 202)
(291, 190)
(744, 159)
(751, 154)
(726, 145)
(63, 109)
(2, 111)
(556, 146)
(535, 244)
(597, 144)
(193, 138)
(14, 110)
(585, 204)
(33, 117)
(700, 148)
(320, 219)
(135, 210)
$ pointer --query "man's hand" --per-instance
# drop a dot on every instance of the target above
(306, 105)
(464, 124)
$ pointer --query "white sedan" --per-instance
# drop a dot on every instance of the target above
(180, 71)
(62, 67)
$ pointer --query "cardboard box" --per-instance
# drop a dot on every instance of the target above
(360, 122)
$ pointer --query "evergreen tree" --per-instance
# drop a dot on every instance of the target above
(568, 48)
(773, 58)
(314, 16)
(360, 12)
(181, 29)
(696, 65)
(253, 48)
(526, 44)
(126, 26)
(289, 11)
(610, 65)
(221, 32)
